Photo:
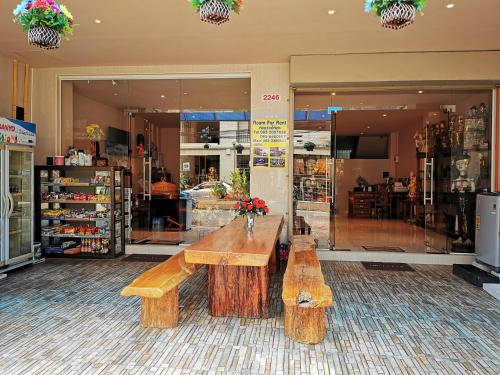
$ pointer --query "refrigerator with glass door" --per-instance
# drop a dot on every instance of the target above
(17, 141)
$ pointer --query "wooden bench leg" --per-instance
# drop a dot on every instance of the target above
(305, 324)
(161, 312)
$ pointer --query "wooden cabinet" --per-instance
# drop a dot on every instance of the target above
(361, 204)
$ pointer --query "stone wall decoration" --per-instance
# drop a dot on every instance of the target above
(395, 14)
(216, 11)
(44, 21)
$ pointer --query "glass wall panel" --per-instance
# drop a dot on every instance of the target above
(182, 142)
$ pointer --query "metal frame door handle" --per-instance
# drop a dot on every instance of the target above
(11, 209)
(432, 181)
(425, 181)
(3, 206)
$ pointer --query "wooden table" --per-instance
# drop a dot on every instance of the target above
(238, 275)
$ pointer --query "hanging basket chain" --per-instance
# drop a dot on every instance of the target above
(44, 37)
(398, 16)
(215, 11)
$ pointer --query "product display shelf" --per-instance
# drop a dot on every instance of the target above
(84, 227)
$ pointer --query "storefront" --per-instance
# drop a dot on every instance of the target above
(392, 170)
(277, 92)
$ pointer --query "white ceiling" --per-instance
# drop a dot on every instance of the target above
(169, 32)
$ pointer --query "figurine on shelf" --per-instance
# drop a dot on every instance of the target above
(412, 187)
(420, 141)
(464, 205)
(463, 183)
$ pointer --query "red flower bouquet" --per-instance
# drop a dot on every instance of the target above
(249, 205)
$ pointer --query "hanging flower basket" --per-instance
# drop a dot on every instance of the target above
(398, 16)
(44, 21)
(43, 37)
(395, 14)
(216, 11)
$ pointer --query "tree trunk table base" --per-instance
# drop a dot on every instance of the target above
(305, 324)
(238, 291)
(161, 312)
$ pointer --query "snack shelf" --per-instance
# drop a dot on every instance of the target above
(98, 236)
(91, 219)
(54, 184)
(73, 201)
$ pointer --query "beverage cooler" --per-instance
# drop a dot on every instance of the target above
(17, 141)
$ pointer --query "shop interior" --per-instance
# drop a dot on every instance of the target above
(184, 144)
(391, 170)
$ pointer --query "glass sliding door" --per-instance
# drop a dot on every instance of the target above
(314, 173)
(455, 167)
(19, 214)
(3, 205)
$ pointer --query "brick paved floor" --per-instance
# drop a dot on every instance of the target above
(66, 317)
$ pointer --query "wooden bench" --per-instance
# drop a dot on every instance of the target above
(159, 291)
(305, 293)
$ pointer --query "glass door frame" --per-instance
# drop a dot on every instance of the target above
(3, 205)
(6, 250)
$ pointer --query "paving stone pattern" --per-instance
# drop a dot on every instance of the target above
(67, 317)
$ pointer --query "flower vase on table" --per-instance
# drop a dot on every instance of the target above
(251, 207)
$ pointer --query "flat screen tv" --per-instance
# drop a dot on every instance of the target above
(117, 142)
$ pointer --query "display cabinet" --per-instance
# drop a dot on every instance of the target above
(80, 211)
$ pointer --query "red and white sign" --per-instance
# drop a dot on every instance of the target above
(271, 97)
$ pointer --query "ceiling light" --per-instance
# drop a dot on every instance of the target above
(384, 115)
(420, 91)
(368, 127)
(162, 96)
(450, 6)
(185, 93)
(361, 133)
(245, 92)
(97, 21)
(115, 94)
(331, 11)
(334, 93)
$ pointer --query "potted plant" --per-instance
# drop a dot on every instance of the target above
(239, 180)
(251, 207)
(309, 146)
(94, 135)
(219, 190)
(216, 11)
(44, 21)
(395, 14)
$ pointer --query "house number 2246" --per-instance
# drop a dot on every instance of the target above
(271, 97)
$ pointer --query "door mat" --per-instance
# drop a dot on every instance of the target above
(474, 275)
(390, 249)
(145, 258)
(378, 266)
(341, 249)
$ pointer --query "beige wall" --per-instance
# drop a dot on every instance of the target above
(375, 68)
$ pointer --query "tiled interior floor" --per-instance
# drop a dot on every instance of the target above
(67, 317)
(353, 234)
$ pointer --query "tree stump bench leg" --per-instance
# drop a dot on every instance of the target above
(305, 324)
(238, 291)
(161, 312)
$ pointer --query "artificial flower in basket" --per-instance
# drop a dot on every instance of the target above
(395, 14)
(44, 21)
(216, 11)
(251, 207)
(94, 135)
